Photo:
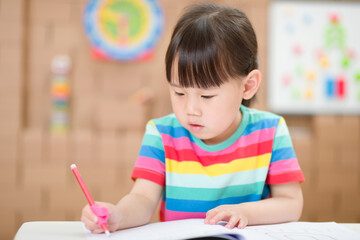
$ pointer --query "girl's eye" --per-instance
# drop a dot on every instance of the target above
(207, 96)
(179, 93)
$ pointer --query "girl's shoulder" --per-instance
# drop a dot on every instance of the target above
(255, 115)
(168, 120)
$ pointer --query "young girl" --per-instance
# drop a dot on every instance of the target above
(213, 158)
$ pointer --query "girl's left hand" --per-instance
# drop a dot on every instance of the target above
(232, 214)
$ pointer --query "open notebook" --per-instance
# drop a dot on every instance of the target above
(196, 229)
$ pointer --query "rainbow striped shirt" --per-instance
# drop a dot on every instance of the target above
(197, 177)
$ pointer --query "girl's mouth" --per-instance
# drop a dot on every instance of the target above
(195, 127)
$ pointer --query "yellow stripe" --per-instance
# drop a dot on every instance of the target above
(244, 164)
(282, 120)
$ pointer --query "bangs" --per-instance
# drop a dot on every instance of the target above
(200, 60)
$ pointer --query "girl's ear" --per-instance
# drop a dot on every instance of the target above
(251, 84)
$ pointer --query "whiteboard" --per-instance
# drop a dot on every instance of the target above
(314, 57)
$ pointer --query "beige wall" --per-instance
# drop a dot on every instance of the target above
(106, 126)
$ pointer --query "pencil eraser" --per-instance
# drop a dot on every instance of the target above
(73, 166)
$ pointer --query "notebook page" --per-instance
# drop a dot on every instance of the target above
(182, 229)
(190, 228)
(306, 231)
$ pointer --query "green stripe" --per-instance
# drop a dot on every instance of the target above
(151, 140)
(257, 115)
(282, 142)
(211, 194)
(169, 120)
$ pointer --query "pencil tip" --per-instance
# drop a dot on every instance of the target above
(107, 233)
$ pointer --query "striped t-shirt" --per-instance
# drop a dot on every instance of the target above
(197, 177)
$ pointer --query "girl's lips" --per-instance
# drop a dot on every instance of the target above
(195, 127)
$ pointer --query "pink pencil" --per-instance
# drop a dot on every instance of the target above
(88, 195)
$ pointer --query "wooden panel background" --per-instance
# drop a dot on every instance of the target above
(106, 126)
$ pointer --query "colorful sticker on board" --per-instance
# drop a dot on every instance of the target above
(123, 30)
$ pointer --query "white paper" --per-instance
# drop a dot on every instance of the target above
(306, 231)
(191, 228)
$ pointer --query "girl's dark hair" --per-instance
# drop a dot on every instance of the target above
(211, 43)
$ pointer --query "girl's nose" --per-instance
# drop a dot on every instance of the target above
(192, 107)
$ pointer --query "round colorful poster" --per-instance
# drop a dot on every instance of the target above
(123, 30)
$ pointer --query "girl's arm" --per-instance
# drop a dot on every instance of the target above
(285, 205)
(133, 210)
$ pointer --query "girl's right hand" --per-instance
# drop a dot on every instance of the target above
(90, 219)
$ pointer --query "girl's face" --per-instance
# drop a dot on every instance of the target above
(211, 115)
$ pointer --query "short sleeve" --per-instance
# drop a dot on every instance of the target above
(284, 166)
(150, 163)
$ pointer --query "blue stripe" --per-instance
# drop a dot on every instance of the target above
(204, 206)
(152, 152)
(282, 153)
(175, 132)
(263, 124)
(266, 192)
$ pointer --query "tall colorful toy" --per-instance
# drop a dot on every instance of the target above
(60, 94)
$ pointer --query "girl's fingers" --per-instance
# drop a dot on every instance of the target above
(98, 230)
(242, 223)
(232, 222)
(90, 219)
(112, 228)
(233, 218)
(210, 214)
(91, 225)
(218, 217)
(86, 212)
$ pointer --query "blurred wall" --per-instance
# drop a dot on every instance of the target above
(107, 126)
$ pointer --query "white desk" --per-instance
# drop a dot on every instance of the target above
(51, 231)
(75, 231)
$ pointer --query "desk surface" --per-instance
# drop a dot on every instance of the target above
(51, 230)
(74, 230)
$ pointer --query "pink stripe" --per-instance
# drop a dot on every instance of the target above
(150, 163)
(172, 215)
(283, 166)
(185, 143)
